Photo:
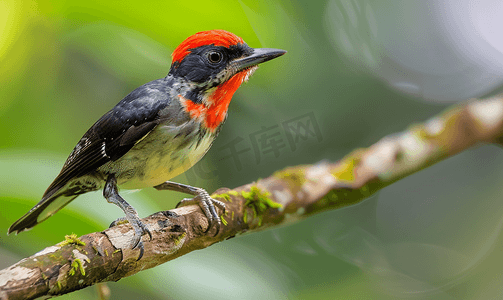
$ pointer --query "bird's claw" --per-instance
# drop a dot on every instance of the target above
(207, 204)
(139, 230)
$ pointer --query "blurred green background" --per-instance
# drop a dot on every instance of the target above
(355, 71)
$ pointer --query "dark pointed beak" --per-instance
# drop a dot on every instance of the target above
(259, 55)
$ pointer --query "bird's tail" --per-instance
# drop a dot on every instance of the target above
(49, 205)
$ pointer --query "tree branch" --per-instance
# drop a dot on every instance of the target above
(286, 196)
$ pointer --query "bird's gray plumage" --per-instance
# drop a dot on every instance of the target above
(119, 143)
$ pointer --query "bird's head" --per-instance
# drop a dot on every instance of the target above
(212, 65)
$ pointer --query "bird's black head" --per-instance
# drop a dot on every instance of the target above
(209, 63)
(210, 58)
(208, 67)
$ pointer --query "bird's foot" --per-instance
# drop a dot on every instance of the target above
(201, 198)
(207, 204)
(139, 230)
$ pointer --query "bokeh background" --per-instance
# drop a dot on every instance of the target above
(355, 71)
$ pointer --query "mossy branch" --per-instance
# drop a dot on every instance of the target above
(286, 196)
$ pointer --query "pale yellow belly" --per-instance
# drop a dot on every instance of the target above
(158, 158)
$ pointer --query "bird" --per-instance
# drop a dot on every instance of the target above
(157, 132)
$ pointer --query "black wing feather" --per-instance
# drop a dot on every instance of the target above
(114, 134)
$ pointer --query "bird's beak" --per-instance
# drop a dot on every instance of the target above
(259, 55)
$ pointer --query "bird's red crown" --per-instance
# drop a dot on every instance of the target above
(211, 37)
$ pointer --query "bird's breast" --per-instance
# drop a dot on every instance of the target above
(167, 151)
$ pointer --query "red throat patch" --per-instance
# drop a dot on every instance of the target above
(213, 112)
(211, 37)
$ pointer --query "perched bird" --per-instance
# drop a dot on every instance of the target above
(157, 132)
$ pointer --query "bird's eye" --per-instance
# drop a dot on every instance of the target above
(214, 57)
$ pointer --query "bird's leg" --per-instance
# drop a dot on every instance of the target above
(111, 193)
(201, 198)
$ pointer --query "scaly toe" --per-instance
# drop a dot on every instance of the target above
(136, 240)
(220, 204)
(207, 205)
(139, 230)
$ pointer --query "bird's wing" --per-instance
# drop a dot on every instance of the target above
(112, 136)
